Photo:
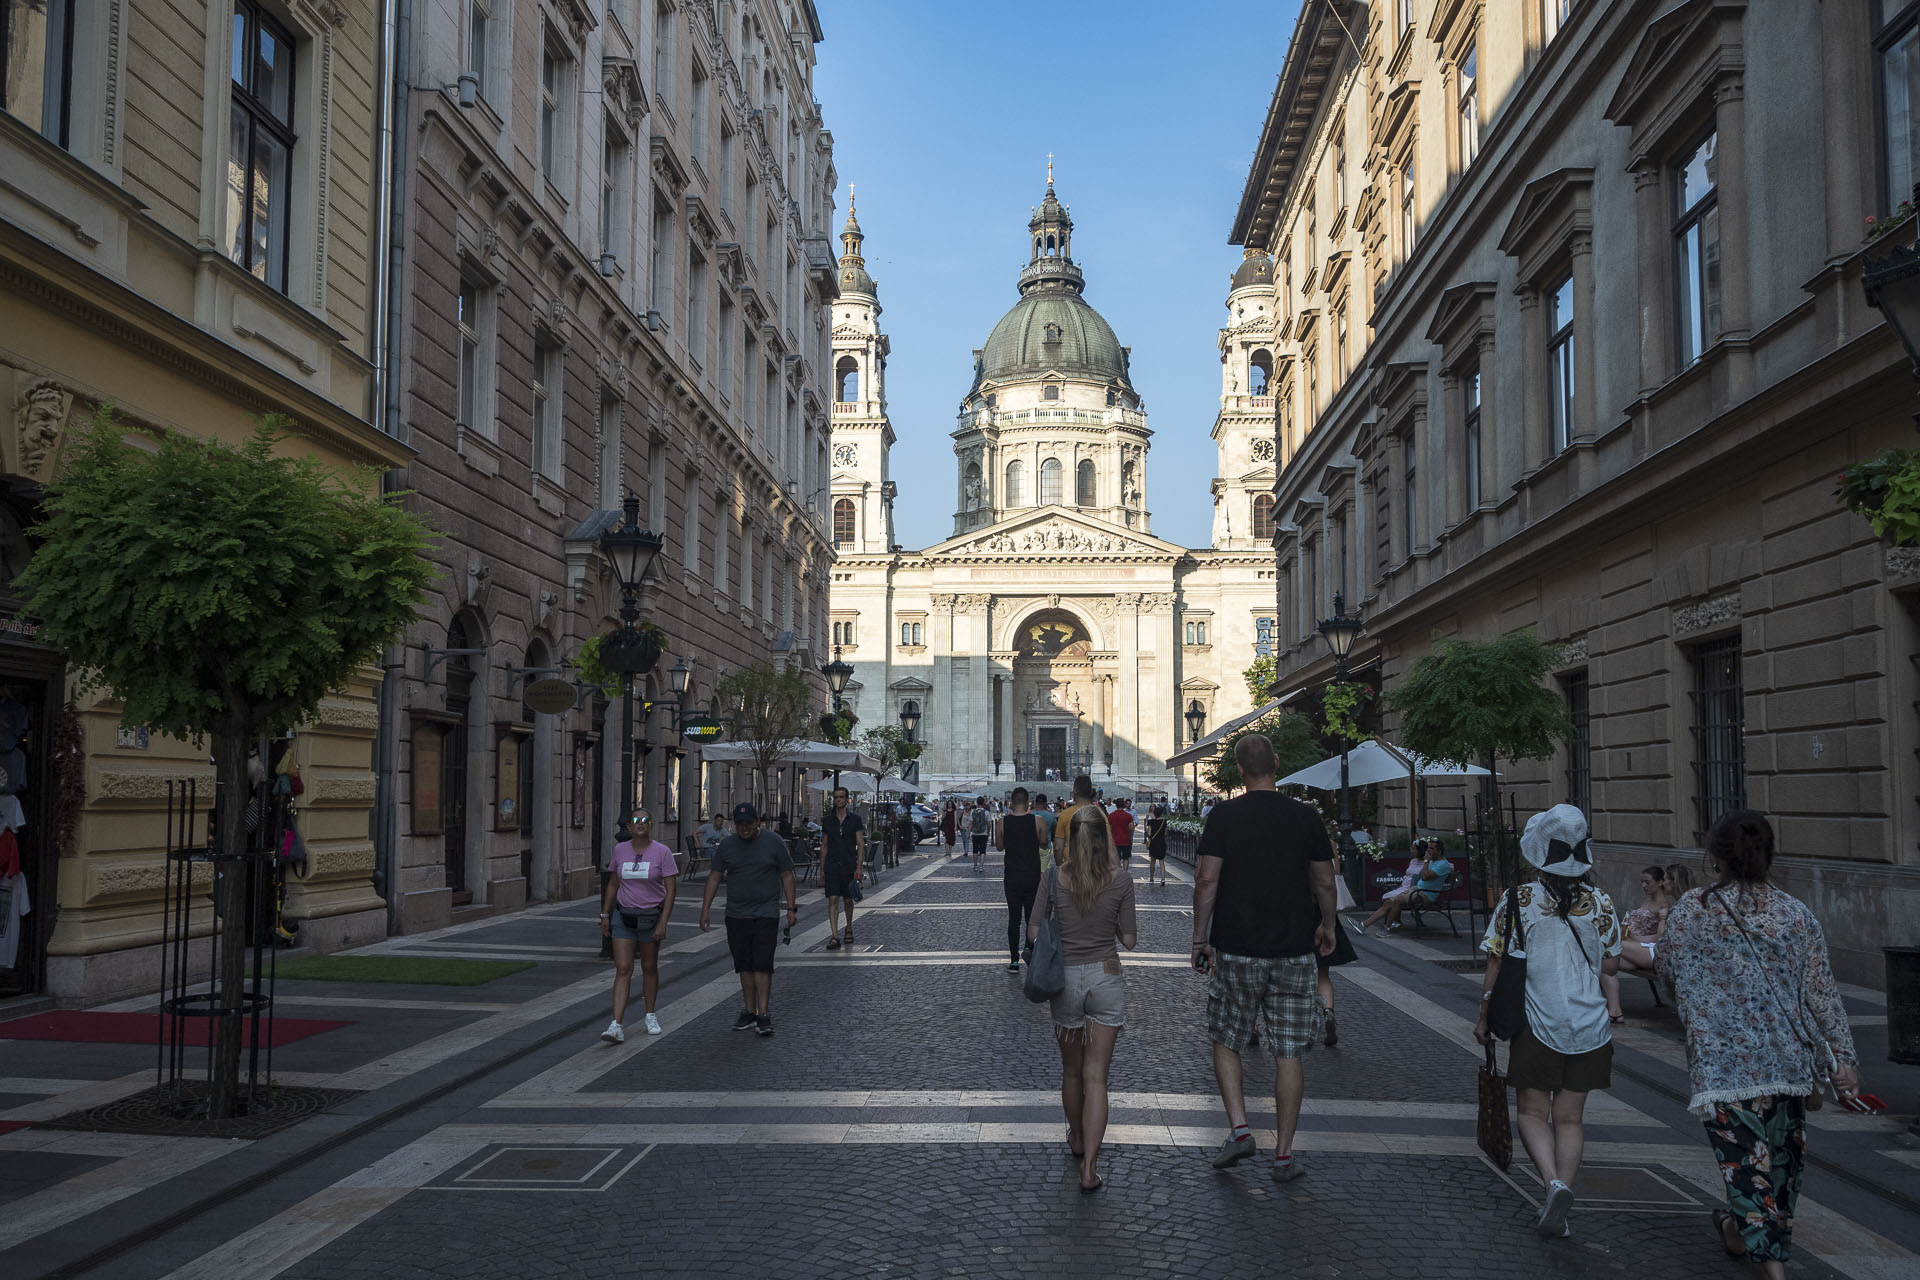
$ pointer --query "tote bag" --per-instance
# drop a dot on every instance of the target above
(1493, 1127)
(1047, 966)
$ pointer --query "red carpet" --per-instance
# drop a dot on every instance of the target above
(142, 1028)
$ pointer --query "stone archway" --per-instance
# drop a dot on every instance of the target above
(1058, 699)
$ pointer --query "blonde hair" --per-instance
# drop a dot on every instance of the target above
(1090, 863)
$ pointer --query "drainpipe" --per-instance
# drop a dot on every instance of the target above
(396, 57)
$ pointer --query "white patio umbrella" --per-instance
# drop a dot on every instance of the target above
(811, 755)
(1376, 761)
(861, 784)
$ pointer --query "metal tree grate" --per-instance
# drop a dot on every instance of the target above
(179, 1111)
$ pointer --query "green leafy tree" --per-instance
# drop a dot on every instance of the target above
(220, 593)
(1260, 677)
(888, 744)
(771, 709)
(1469, 702)
(1293, 742)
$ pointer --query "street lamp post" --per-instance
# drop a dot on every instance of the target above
(1340, 631)
(837, 673)
(1196, 721)
(628, 652)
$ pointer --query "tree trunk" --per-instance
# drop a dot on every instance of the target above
(232, 907)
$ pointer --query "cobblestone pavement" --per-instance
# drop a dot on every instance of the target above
(903, 1122)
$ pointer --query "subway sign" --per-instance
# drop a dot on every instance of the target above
(701, 729)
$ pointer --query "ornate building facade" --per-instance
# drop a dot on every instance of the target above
(1570, 334)
(1052, 633)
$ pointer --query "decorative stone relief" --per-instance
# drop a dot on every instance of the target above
(129, 784)
(1687, 619)
(1056, 536)
(1571, 654)
(1903, 562)
(39, 421)
(1127, 601)
(356, 788)
(942, 601)
(1157, 601)
(972, 604)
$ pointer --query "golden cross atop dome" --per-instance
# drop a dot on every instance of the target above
(1049, 168)
(851, 188)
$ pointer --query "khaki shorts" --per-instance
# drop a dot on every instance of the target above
(1094, 993)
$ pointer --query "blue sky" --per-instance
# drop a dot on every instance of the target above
(943, 114)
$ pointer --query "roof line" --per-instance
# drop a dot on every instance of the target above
(1286, 89)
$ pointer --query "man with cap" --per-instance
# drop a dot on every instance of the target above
(758, 870)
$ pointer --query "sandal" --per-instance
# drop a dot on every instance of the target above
(1721, 1220)
(847, 935)
(1098, 1182)
(1616, 1018)
(833, 944)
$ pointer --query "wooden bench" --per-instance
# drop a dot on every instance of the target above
(1419, 903)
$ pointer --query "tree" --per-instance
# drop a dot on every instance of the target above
(1293, 742)
(889, 744)
(1260, 677)
(1468, 700)
(771, 709)
(220, 592)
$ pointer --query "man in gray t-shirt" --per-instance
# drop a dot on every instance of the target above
(758, 869)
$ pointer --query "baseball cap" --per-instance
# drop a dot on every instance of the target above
(745, 812)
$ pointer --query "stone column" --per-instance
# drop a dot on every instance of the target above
(1009, 737)
(1453, 407)
(1534, 417)
(978, 731)
(1730, 153)
(1586, 340)
(942, 734)
(1158, 739)
(1653, 244)
(1126, 721)
(1489, 433)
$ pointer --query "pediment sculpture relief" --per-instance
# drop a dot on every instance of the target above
(1053, 537)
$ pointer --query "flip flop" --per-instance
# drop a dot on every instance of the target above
(1098, 1182)
(1616, 1018)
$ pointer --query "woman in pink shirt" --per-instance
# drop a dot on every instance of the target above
(638, 902)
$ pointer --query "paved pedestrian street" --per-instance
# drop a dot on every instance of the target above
(903, 1122)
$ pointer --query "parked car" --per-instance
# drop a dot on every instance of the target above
(926, 822)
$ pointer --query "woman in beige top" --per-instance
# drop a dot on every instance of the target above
(1090, 897)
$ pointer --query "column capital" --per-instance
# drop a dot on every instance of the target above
(1127, 601)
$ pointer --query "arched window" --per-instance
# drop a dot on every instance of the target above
(846, 377)
(1050, 478)
(1016, 483)
(1263, 517)
(1051, 393)
(906, 633)
(1049, 244)
(843, 522)
(1260, 374)
(1085, 484)
(916, 633)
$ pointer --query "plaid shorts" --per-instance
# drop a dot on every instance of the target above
(1282, 989)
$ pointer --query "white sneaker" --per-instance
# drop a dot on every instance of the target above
(653, 1025)
(614, 1034)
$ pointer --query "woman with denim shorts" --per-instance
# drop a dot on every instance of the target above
(638, 901)
(1090, 897)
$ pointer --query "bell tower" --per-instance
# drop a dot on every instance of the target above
(861, 493)
(1251, 409)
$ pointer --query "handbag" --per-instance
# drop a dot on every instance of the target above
(1822, 1075)
(1493, 1127)
(1046, 975)
(1507, 1003)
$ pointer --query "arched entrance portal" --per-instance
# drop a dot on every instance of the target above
(1059, 697)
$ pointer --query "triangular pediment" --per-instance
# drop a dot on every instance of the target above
(1054, 533)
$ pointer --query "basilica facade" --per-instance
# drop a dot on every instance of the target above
(1052, 633)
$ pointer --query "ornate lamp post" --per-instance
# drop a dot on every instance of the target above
(837, 673)
(910, 722)
(629, 651)
(1196, 722)
(1340, 631)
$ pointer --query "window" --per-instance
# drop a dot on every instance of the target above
(1409, 492)
(1897, 49)
(1580, 745)
(1016, 483)
(1050, 393)
(1259, 373)
(613, 187)
(1553, 16)
(36, 65)
(1050, 480)
(259, 144)
(906, 633)
(1719, 752)
(1263, 637)
(1340, 336)
(690, 521)
(660, 284)
(697, 114)
(728, 179)
(722, 537)
(479, 29)
(1469, 109)
(606, 463)
(1470, 434)
(723, 335)
(1263, 517)
(696, 306)
(847, 380)
(1407, 222)
(548, 400)
(749, 376)
(843, 522)
(1340, 167)
(474, 394)
(1406, 14)
(1312, 207)
(1085, 484)
(1560, 365)
(1696, 251)
(556, 69)
(663, 49)
(1196, 633)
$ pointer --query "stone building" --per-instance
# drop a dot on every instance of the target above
(612, 277)
(1569, 334)
(194, 247)
(1053, 632)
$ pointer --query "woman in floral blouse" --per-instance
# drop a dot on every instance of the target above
(1747, 966)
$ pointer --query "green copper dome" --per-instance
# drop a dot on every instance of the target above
(1051, 328)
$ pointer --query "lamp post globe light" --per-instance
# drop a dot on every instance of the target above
(1340, 631)
(910, 721)
(837, 673)
(629, 651)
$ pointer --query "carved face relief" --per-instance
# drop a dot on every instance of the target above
(40, 418)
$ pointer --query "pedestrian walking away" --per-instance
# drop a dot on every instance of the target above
(757, 869)
(1020, 833)
(1157, 844)
(949, 826)
(1090, 896)
(845, 854)
(1120, 822)
(1082, 797)
(1746, 964)
(1263, 907)
(1568, 935)
(634, 913)
(1342, 953)
(979, 825)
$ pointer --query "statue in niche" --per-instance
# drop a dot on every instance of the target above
(972, 491)
(39, 419)
(1130, 483)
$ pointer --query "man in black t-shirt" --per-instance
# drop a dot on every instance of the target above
(1266, 862)
(845, 840)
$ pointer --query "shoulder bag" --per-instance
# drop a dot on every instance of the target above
(1822, 1071)
(1047, 966)
(1507, 1004)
